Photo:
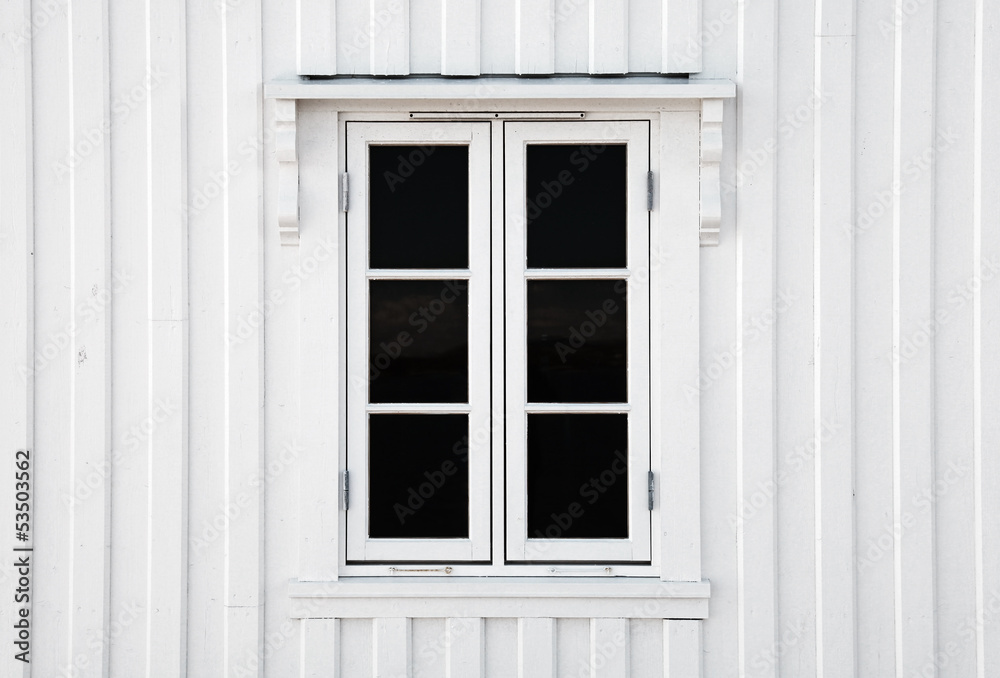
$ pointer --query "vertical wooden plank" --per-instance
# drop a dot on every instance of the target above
(389, 31)
(242, 265)
(986, 336)
(17, 281)
(572, 37)
(681, 648)
(320, 648)
(391, 647)
(90, 410)
(872, 233)
(321, 350)
(167, 269)
(498, 25)
(645, 42)
(131, 337)
(674, 304)
(534, 37)
(608, 36)
(465, 647)
(460, 41)
(426, 33)
(833, 334)
(609, 648)
(756, 316)
(913, 307)
(536, 648)
(316, 38)
(682, 42)
(354, 35)
(645, 648)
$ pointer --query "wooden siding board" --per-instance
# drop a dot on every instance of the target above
(609, 23)
(389, 30)
(913, 304)
(757, 304)
(682, 648)
(872, 233)
(536, 648)
(391, 647)
(316, 39)
(498, 30)
(682, 36)
(609, 648)
(534, 37)
(645, 25)
(460, 37)
(465, 647)
(571, 37)
(833, 371)
(354, 37)
(320, 648)
(426, 36)
(986, 328)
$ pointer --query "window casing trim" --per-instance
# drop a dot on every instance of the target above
(674, 242)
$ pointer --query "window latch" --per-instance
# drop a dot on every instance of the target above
(345, 489)
(649, 191)
(343, 192)
(651, 489)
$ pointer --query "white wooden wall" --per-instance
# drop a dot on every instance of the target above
(850, 499)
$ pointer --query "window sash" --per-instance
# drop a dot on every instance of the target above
(517, 136)
(361, 547)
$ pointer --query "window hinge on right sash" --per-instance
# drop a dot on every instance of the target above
(652, 488)
(345, 489)
(649, 191)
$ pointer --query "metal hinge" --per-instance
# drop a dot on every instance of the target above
(343, 191)
(345, 489)
(652, 488)
(649, 191)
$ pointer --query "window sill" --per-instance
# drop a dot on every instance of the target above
(367, 597)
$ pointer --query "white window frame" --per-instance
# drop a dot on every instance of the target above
(518, 135)
(361, 135)
(686, 147)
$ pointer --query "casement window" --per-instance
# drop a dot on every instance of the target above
(498, 342)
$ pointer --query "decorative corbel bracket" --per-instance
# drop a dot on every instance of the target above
(288, 171)
(710, 182)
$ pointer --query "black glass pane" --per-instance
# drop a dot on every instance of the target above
(577, 341)
(419, 341)
(576, 206)
(419, 206)
(577, 476)
(418, 475)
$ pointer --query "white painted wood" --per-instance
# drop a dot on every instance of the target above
(244, 362)
(711, 156)
(425, 36)
(391, 647)
(286, 154)
(609, 26)
(316, 44)
(465, 647)
(645, 23)
(534, 37)
(167, 446)
(354, 37)
(360, 545)
(536, 648)
(572, 36)
(683, 39)
(674, 269)
(320, 649)
(913, 372)
(90, 413)
(460, 37)
(609, 648)
(520, 545)
(682, 648)
(16, 327)
(321, 302)
(488, 89)
(389, 28)
(756, 540)
(834, 357)
(498, 28)
(986, 333)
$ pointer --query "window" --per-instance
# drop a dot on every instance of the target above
(498, 342)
